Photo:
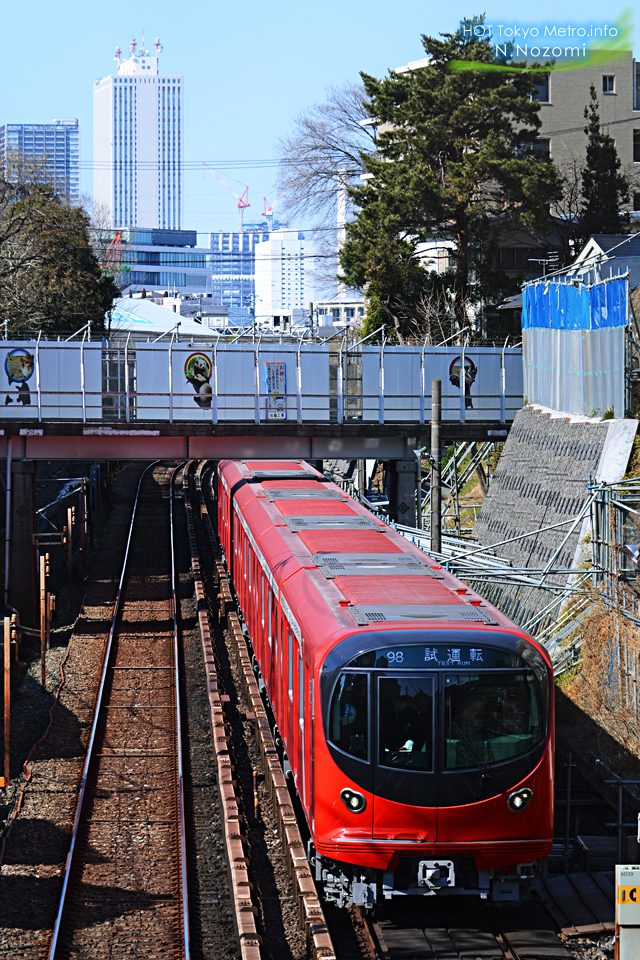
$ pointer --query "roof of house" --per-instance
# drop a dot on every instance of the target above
(146, 318)
(627, 245)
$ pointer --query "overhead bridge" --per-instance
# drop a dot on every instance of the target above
(307, 400)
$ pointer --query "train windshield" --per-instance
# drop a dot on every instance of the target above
(490, 717)
(405, 722)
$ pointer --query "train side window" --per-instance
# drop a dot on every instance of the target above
(290, 664)
(300, 690)
(262, 600)
(244, 558)
(269, 595)
(349, 715)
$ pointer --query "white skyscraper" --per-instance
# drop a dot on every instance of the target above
(284, 274)
(138, 143)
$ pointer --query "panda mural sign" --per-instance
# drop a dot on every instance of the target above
(197, 370)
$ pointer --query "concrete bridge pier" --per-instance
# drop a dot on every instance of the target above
(401, 485)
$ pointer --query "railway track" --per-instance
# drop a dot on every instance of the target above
(124, 886)
(135, 846)
(432, 929)
(463, 929)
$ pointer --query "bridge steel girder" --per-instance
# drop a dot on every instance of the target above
(58, 440)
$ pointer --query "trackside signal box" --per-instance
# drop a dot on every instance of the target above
(627, 912)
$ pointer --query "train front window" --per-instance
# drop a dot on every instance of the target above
(490, 717)
(405, 722)
(349, 716)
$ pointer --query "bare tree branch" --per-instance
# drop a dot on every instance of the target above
(326, 139)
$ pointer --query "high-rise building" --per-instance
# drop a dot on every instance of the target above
(233, 269)
(57, 144)
(138, 143)
(284, 274)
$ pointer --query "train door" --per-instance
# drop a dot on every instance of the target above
(290, 686)
(404, 756)
(268, 658)
(302, 724)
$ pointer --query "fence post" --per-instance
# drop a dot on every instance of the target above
(171, 379)
(436, 466)
(340, 386)
(503, 384)
(82, 380)
(126, 374)
(381, 382)
(299, 384)
(422, 381)
(256, 384)
(214, 384)
(38, 376)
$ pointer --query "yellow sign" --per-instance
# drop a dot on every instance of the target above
(629, 895)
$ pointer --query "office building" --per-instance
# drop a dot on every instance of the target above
(138, 143)
(233, 280)
(284, 274)
(563, 95)
(56, 144)
(164, 260)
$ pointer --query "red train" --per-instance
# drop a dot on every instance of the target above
(416, 719)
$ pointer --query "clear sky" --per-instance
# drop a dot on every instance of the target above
(249, 67)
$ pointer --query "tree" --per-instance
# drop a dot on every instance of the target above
(323, 152)
(326, 144)
(604, 187)
(50, 279)
(456, 150)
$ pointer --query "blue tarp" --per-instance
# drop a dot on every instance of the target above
(570, 306)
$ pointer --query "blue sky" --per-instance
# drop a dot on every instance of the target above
(249, 67)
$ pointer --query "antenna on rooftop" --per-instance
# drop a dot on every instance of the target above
(158, 47)
(133, 45)
(117, 56)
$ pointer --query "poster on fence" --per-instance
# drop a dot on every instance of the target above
(275, 378)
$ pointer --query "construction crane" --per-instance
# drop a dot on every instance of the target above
(111, 264)
(243, 201)
(268, 211)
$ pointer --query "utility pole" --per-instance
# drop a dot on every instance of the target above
(436, 466)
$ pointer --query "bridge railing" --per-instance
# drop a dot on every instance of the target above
(256, 383)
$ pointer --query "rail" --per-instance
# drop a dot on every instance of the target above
(92, 760)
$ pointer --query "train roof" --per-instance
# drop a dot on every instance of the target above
(340, 566)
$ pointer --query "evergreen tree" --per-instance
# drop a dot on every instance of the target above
(50, 279)
(455, 151)
(604, 187)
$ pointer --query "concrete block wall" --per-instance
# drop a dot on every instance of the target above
(542, 478)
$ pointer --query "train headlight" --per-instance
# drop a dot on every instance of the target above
(518, 800)
(353, 801)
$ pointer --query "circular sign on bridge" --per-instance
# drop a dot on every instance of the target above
(19, 365)
(468, 378)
